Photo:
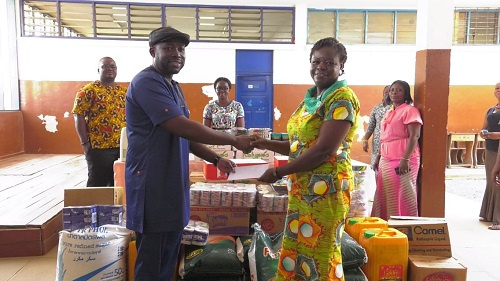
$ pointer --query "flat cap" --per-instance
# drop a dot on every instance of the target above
(166, 34)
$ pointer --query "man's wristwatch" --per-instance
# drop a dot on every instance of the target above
(216, 160)
(275, 173)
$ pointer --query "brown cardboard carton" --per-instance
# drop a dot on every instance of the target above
(426, 236)
(119, 176)
(429, 268)
(266, 155)
(271, 222)
(221, 220)
(199, 177)
(86, 196)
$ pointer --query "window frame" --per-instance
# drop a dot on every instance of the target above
(290, 39)
(467, 26)
(366, 13)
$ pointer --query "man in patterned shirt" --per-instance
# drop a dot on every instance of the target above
(99, 112)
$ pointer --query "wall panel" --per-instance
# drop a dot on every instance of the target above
(467, 106)
(11, 132)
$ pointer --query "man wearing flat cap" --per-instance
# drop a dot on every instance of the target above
(160, 137)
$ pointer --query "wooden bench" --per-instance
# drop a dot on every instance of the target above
(461, 150)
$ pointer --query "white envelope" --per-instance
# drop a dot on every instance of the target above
(248, 172)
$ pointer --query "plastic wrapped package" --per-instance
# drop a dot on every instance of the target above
(364, 189)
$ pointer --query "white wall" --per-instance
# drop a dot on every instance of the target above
(53, 59)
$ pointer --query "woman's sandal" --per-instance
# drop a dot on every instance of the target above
(494, 226)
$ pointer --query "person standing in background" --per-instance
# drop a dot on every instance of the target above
(490, 207)
(160, 137)
(223, 114)
(376, 116)
(99, 113)
(398, 161)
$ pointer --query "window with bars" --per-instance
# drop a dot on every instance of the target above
(362, 27)
(476, 26)
(89, 19)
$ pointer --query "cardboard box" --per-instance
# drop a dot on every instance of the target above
(226, 221)
(429, 268)
(426, 236)
(212, 173)
(276, 136)
(229, 154)
(199, 177)
(249, 181)
(85, 196)
(280, 160)
(263, 154)
(271, 222)
(219, 147)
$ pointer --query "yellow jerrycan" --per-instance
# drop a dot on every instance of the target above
(387, 251)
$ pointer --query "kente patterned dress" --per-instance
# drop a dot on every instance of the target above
(319, 199)
(396, 195)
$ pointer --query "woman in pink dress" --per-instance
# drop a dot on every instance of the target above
(399, 156)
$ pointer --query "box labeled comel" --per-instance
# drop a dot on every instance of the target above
(227, 221)
(212, 173)
(426, 236)
(429, 268)
(86, 196)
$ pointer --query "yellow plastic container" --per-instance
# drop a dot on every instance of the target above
(387, 251)
(354, 226)
(132, 257)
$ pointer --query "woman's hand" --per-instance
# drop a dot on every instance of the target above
(258, 142)
(495, 175)
(492, 135)
(365, 146)
(269, 176)
(484, 134)
(404, 166)
(375, 163)
(243, 144)
(226, 166)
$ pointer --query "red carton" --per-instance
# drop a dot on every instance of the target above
(280, 160)
(212, 173)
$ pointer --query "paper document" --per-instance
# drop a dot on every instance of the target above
(248, 172)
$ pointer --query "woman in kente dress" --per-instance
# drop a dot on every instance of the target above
(319, 170)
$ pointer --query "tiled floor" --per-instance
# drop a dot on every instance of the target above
(472, 243)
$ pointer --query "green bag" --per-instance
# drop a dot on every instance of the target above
(263, 254)
(217, 259)
(353, 254)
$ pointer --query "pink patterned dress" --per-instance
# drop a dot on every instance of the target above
(396, 195)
